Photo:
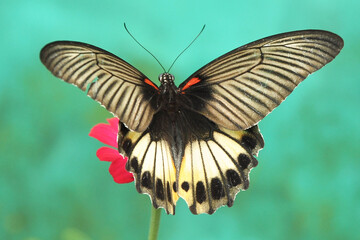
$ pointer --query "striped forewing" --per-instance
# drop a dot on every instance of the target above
(247, 83)
(117, 85)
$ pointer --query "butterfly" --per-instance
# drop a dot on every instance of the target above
(198, 140)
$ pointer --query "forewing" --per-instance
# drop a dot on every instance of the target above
(118, 86)
(240, 88)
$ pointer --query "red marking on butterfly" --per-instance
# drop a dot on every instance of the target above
(192, 81)
(147, 81)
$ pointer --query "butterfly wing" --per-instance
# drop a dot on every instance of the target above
(151, 162)
(118, 86)
(216, 163)
(240, 88)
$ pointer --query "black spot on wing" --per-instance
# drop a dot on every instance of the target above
(233, 178)
(168, 191)
(200, 192)
(254, 131)
(134, 164)
(146, 180)
(243, 160)
(248, 142)
(193, 209)
(175, 187)
(159, 189)
(217, 190)
(185, 186)
(127, 146)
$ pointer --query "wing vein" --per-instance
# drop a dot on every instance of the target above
(243, 102)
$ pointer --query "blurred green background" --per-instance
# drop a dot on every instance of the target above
(52, 186)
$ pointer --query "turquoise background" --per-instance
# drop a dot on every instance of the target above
(52, 186)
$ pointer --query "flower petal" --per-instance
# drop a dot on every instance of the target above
(118, 171)
(117, 166)
(107, 154)
(105, 133)
(114, 123)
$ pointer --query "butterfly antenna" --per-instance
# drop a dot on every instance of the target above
(143, 47)
(187, 47)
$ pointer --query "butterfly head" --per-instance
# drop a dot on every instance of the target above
(166, 78)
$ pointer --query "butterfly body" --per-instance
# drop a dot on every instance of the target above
(197, 141)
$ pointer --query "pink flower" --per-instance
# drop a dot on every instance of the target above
(107, 134)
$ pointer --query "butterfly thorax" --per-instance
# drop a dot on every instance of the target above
(168, 90)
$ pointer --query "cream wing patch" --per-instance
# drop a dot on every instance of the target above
(214, 170)
(153, 167)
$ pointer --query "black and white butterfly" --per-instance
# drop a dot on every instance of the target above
(196, 141)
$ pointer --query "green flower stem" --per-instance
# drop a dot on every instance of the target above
(154, 223)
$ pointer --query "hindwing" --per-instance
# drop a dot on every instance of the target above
(151, 162)
(214, 169)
